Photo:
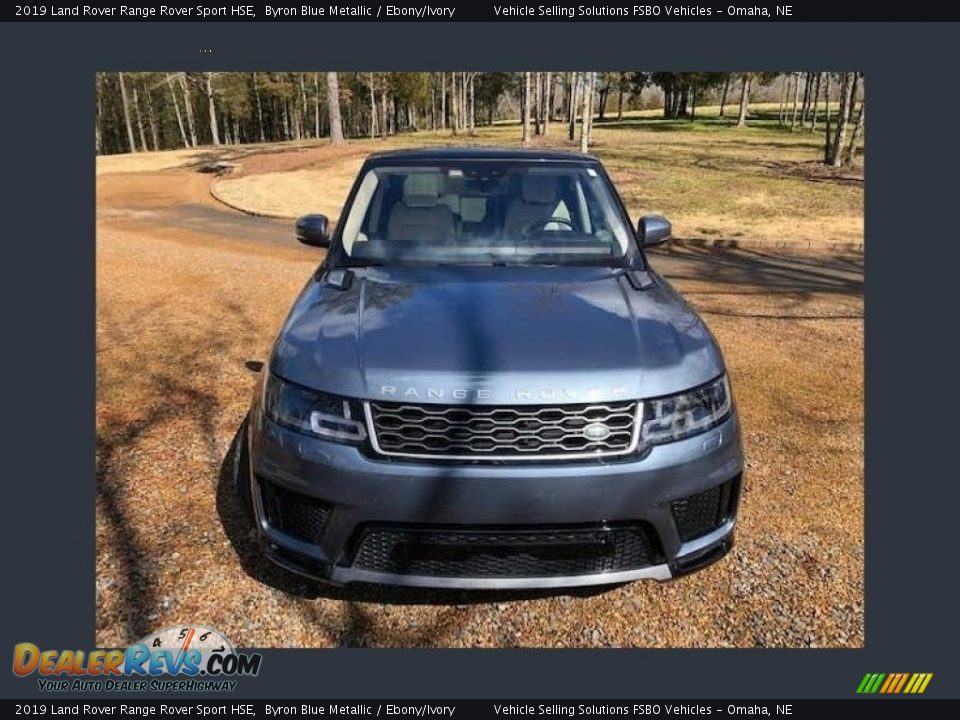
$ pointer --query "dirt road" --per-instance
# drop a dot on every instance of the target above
(189, 296)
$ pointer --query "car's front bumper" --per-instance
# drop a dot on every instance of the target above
(357, 492)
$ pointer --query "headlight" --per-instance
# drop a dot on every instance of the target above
(312, 412)
(689, 413)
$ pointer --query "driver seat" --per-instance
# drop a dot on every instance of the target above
(537, 202)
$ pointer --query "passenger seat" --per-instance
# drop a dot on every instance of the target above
(420, 216)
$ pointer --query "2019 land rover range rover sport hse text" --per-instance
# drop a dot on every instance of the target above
(485, 385)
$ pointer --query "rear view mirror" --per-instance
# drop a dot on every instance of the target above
(314, 230)
(653, 230)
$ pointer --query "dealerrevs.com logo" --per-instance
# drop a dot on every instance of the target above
(179, 659)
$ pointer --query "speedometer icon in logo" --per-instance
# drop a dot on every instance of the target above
(190, 639)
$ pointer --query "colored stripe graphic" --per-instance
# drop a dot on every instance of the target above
(901, 683)
(894, 683)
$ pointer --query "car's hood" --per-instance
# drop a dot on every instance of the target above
(524, 335)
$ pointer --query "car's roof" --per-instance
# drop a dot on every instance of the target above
(434, 154)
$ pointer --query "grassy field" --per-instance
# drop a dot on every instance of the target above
(714, 181)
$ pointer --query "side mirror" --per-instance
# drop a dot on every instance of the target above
(314, 230)
(653, 230)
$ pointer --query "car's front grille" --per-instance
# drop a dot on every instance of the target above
(298, 515)
(502, 552)
(472, 432)
(698, 514)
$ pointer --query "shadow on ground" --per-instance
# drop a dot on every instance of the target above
(750, 272)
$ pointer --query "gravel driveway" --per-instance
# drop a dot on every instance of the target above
(189, 297)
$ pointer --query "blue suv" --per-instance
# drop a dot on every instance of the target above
(485, 385)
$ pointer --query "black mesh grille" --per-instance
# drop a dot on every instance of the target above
(696, 515)
(511, 432)
(294, 514)
(481, 553)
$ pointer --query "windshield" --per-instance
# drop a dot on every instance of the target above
(485, 212)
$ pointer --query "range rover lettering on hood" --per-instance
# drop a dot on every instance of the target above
(460, 394)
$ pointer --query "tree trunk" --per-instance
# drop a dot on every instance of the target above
(152, 120)
(572, 109)
(805, 108)
(526, 107)
(586, 123)
(796, 101)
(816, 101)
(620, 90)
(126, 113)
(853, 97)
(96, 123)
(464, 100)
(684, 101)
(461, 102)
(373, 108)
(302, 117)
(384, 124)
(176, 109)
(851, 153)
(537, 98)
(723, 96)
(784, 92)
(212, 107)
(316, 105)
(454, 104)
(473, 104)
(693, 103)
(136, 109)
(256, 96)
(547, 102)
(840, 138)
(333, 109)
(744, 100)
(443, 101)
(188, 108)
(287, 131)
(826, 137)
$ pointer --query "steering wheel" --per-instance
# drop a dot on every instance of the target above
(541, 225)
